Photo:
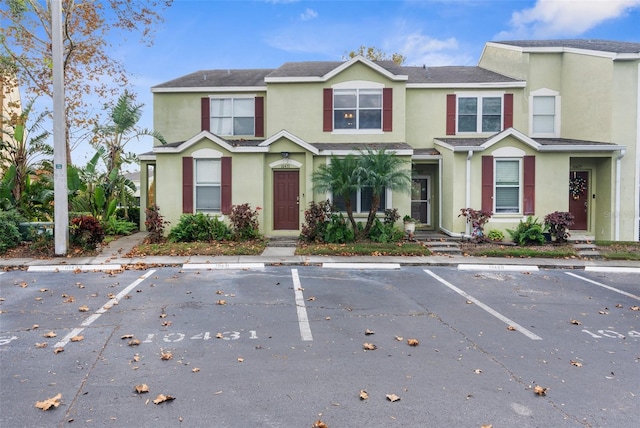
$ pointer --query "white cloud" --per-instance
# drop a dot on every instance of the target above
(308, 14)
(558, 18)
(420, 49)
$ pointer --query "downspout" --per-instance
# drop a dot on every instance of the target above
(616, 226)
(440, 193)
(467, 198)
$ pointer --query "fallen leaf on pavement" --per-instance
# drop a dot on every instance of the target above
(219, 292)
(576, 363)
(166, 323)
(166, 355)
(219, 336)
(477, 371)
(41, 345)
(319, 424)
(413, 342)
(161, 398)
(240, 359)
(603, 312)
(511, 328)
(134, 342)
(538, 390)
(49, 402)
(195, 370)
(575, 322)
(83, 308)
(58, 350)
(392, 397)
(127, 336)
(77, 338)
(50, 334)
(399, 338)
(221, 302)
(368, 332)
(142, 388)
(364, 395)
(369, 346)
(635, 308)
(311, 299)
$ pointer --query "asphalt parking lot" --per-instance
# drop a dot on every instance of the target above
(285, 346)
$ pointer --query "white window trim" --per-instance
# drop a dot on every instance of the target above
(199, 155)
(479, 96)
(233, 97)
(520, 184)
(358, 84)
(545, 92)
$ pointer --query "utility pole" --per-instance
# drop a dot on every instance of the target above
(61, 204)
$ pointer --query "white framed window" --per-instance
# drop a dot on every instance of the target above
(545, 113)
(508, 183)
(361, 201)
(479, 113)
(207, 185)
(358, 108)
(233, 116)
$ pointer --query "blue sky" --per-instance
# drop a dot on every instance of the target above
(214, 34)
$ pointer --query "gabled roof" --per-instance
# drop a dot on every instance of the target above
(539, 144)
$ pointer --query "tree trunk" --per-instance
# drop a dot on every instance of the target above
(375, 202)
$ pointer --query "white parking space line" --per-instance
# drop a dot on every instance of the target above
(103, 309)
(222, 266)
(599, 284)
(491, 311)
(612, 269)
(303, 319)
(361, 265)
(505, 268)
(85, 268)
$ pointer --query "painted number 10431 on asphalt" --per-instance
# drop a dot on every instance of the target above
(179, 337)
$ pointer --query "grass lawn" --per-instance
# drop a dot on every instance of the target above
(224, 248)
(363, 249)
(564, 251)
(617, 250)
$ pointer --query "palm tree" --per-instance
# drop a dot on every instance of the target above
(121, 129)
(382, 170)
(340, 177)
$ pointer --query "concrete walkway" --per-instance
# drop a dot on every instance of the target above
(115, 254)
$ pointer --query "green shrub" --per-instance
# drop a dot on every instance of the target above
(199, 227)
(10, 236)
(86, 232)
(131, 214)
(495, 235)
(529, 232)
(391, 215)
(316, 218)
(385, 232)
(338, 231)
(116, 226)
(244, 222)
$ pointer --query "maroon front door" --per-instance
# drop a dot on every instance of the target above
(285, 200)
(579, 199)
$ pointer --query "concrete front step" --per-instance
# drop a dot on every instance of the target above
(282, 241)
(454, 251)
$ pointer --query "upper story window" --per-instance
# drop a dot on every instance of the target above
(545, 113)
(207, 185)
(479, 114)
(357, 108)
(232, 116)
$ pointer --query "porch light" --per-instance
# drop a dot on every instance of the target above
(285, 155)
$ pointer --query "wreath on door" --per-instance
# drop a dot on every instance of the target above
(577, 186)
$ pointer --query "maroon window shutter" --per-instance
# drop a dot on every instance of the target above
(508, 111)
(327, 110)
(451, 114)
(387, 109)
(529, 198)
(205, 120)
(225, 188)
(187, 184)
(487, 183)
(259, 117)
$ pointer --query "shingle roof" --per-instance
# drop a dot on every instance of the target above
(219, 78)
(453, 74)
(362, 146)
(587, 44)
(477, 142)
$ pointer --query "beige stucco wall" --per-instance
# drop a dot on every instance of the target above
(509, 62)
